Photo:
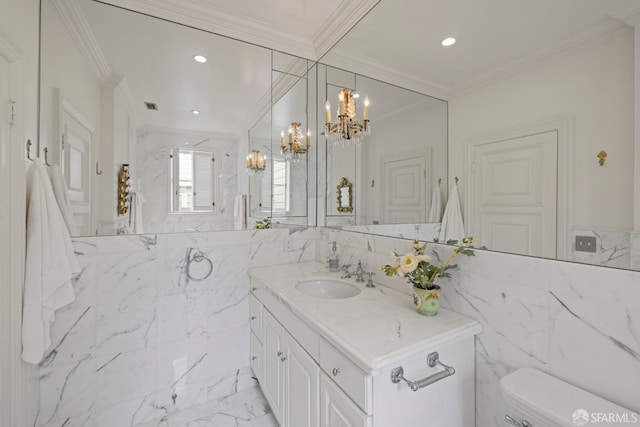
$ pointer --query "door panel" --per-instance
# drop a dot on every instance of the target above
(302, 388)
(76, 168)
(405, 198)
(337, 409)
(514, 191)
(273, 373)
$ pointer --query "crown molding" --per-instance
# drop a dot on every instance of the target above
(629, 15)
(422, 105)
(339, 23)
(76, 23)
(201, 16)
(8, 51)
(120, 84)
(365, 66)
(606, 29)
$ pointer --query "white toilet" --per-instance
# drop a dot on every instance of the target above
(537, 399)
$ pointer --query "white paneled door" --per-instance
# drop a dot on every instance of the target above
(405, 199)
(76, 138)
(514, 194)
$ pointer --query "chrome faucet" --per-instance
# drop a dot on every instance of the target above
(360, 273)
(370, 281)
(347, 273)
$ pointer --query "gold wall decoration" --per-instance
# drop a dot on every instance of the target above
(602, 156)
(345, 196)
(124, 181)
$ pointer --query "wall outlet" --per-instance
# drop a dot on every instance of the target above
(288, 245)
(585, 244)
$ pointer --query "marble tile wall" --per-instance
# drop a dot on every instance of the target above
(145, 326)
(425, 231)
(613, 248)
(580, 323)
(151, 179)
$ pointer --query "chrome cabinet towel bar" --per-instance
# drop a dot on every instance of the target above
(433, 359)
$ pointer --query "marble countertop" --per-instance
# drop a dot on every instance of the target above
(376, 328)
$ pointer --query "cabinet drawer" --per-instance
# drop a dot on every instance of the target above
(256, 357)
(256, 316)
(346, 375)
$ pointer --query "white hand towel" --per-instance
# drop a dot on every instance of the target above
(435, 213)
(135, 216)
(62, 197)
(452, 227)
(49, 265)
(238, 213)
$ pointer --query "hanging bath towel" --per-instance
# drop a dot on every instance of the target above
(435, 213)
(49, 265)
(62, 197)
(135, 214)
(452, 227)
(238, 212)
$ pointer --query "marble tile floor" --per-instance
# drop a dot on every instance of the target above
(247, 408)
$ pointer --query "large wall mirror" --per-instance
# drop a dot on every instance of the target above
(533, 95)
(284, 133)
(397, 165)
(174, 103)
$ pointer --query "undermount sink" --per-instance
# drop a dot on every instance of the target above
(327, 288)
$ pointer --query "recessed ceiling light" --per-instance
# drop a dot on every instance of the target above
(200, 58)
(449, 41)
(195, 112)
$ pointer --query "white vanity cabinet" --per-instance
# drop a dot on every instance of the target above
(309, 380)
(337, 409)
(290, 377)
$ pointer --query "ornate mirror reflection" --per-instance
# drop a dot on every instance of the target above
(345, 196)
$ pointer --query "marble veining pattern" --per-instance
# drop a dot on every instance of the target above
(562, 318)
(145, 327)
(613, 248)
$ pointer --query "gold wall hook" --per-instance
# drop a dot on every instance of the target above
(602, 156)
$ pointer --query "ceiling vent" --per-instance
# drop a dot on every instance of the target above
(151, 106)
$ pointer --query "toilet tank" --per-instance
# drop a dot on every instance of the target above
(545, 401)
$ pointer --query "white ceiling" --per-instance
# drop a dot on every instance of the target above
(397, 41)
(156, 58)
(401, 38)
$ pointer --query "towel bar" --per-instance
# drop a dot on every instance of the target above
(433, 359)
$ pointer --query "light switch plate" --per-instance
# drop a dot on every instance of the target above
(585, 244)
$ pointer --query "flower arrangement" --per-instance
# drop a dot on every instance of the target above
(420, 269)
(264, 224)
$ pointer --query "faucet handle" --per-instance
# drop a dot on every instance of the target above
(346, 267)
(370, 281)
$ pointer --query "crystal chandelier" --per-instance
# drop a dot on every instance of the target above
(347, 131)
(297, 147)
(256, 162)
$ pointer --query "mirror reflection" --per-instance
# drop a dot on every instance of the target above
(172, 102)
(397, 164)
(527, 117)
(345, 196)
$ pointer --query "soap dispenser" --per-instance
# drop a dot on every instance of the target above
(334, 262)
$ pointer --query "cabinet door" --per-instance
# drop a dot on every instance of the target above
(256, 357)
(273, 364)
(302, 386)
(337, 410)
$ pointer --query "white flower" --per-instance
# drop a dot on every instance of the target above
(408, 263)
(425, 258)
